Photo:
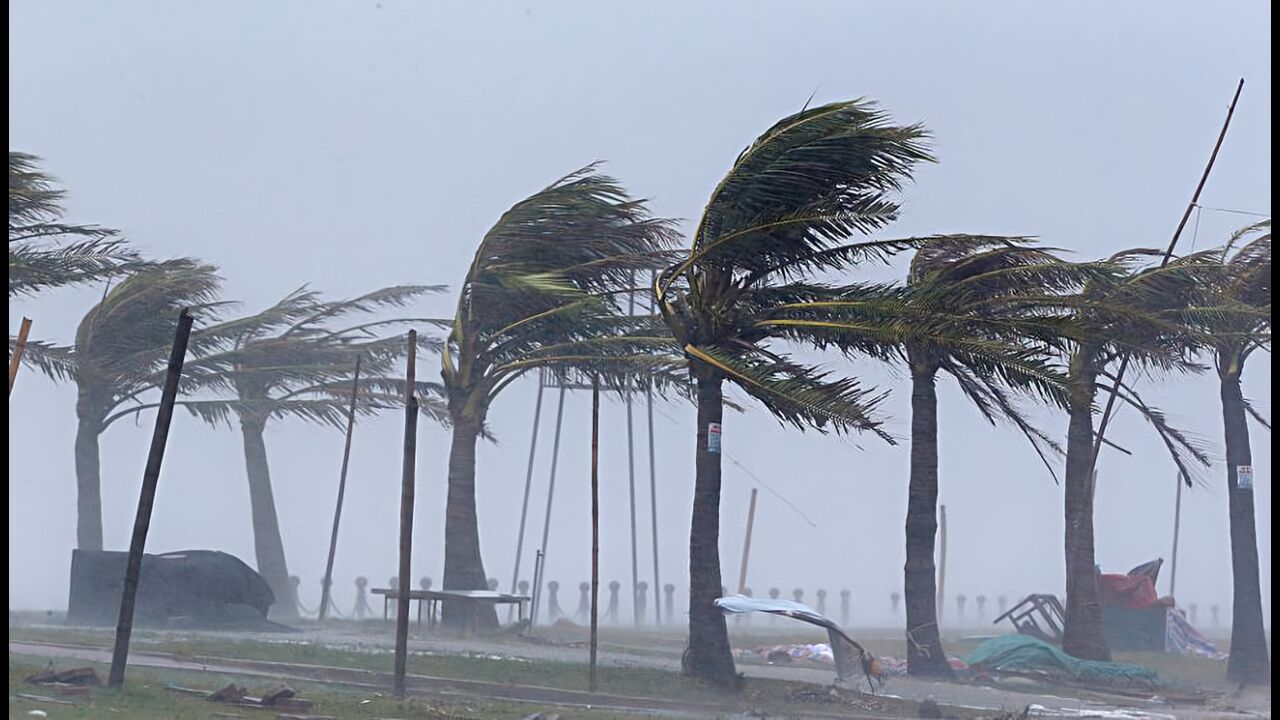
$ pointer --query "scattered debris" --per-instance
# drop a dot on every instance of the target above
(44, 699)
(542, 716)
(82, 676)
(929, 709)
(232, 693)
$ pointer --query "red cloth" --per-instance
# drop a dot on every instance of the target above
(1131, 591)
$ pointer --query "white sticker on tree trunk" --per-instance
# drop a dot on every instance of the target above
(1244, 477)
(713, 438)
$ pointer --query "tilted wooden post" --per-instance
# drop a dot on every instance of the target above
(146, 500)
(595, 526)
(327, 584)
(746, 543)
(16, 361)
(406, 517)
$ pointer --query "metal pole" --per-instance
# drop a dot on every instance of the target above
(942, 560)
(16, 360)
(406, 518)
(327, 584)
(595, 526)
(551, 489)
(631, 476)
(528, 486)
(1177, 525)
(653, 512)
(1168, 253)
(746, 543)
(146, 500)
(653, 485)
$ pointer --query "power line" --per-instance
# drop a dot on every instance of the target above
(750, 474)
(1236, 212)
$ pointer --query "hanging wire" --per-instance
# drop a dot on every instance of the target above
(749, 474)
(1236, 212)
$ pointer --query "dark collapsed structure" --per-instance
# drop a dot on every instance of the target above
(191, 588)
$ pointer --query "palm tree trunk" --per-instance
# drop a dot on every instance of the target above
(1249, 661)
(925, 654)
(268, 545)
(88, 482)
(463, 567)
(1082, 632)
(708, 656)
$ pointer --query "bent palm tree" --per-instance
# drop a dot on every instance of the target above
(1156, 317)
(974, 291)
(45, 253)
(1246, 284)
(291, 361)
(120, 352)
(540, 295)
(780, 214)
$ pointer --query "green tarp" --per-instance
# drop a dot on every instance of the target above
(1025, 654)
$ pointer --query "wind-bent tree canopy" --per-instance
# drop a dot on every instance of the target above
(45, 252)
(1156, 317)
(295, 360)
(541, 295)
(120, 352)
(779, 215)
(973, 291)
(1245, 284)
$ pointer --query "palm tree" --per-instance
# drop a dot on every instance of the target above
(1245, 284)
(974, 289)
(120, 352)
(46, 253)
(781, 213)
(541, 294)
(1155, 316)
(291, 361)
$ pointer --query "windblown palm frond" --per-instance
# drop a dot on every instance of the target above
(45, 253)
(545, 291)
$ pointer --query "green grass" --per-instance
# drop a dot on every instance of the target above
(144, 697)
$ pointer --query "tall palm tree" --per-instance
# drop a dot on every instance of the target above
(781, 213)
(46, 253)
(1245, 284)
(542, 294)
(975, 291)
(1155, 316)
(120, 353)
(295, 359)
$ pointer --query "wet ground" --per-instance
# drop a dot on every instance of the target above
(661, 650)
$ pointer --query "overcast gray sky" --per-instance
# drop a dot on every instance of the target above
(352, 145)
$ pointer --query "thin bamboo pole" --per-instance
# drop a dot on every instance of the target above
(327, 583)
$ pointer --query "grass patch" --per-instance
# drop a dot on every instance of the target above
(144, 697)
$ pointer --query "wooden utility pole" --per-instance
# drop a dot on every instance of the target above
(746, 543)
(16, 361)
(406, 516)
(1168, 253)
(327, 584)
(146, 500)
(595, 527)
(942, 559)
